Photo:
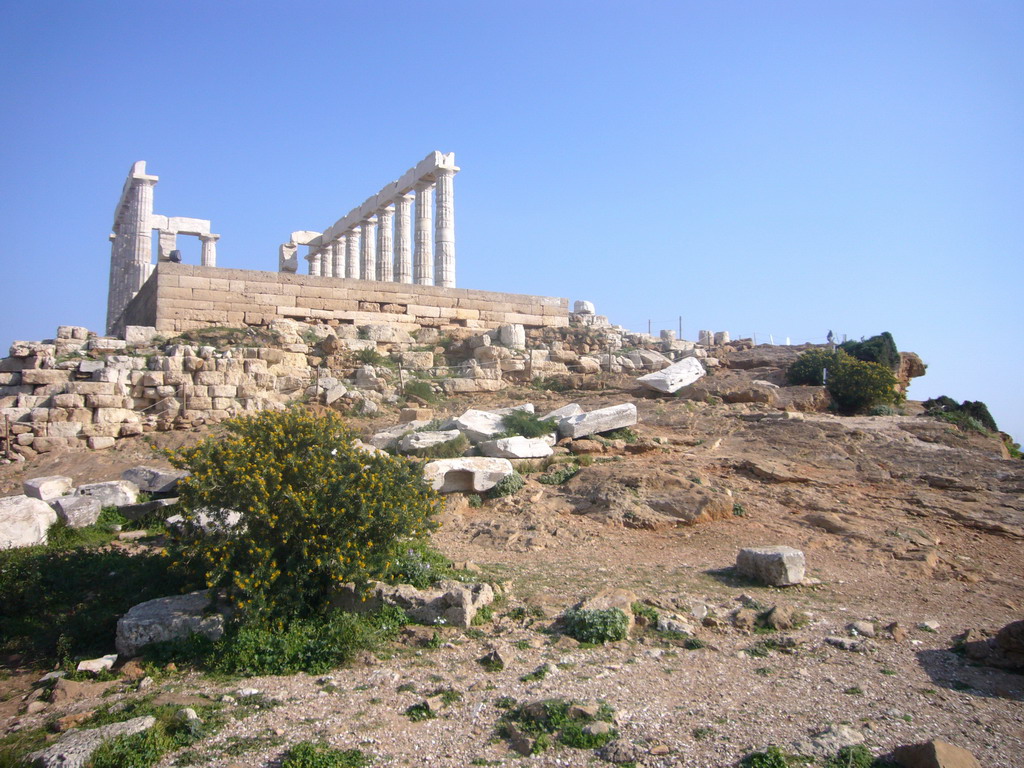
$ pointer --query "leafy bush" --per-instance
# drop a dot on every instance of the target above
(601, 625)
(856, 385)
(306, 754)
(648, 612)
(314, 511)
(373, 357)
(139, 750)
(450, 449)
(884, 410)
(856, 756)
(879, 349)
(560, 475)
(526, 424)
(945, 407)
(421, 389)
(507, 486)
(421, 565)
(773, 757)
(809, 369)
(551, 718)
(625, 434)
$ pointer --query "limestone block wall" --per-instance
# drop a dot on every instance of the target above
(181, 297)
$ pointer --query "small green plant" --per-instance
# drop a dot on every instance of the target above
(550, 384)
(625, 434)
(702, 732)
(694, 644)
(648, 612)
(507, 486)
(504, 702)
(561, 475)
(526, 424)
(449, 449)
(420, 712)
(538, 674)
(484, 615)
(306, 754)
(475, 500)
(773, 757)
(738, 510)
(373, 357)
(602, 625)
(558, 720)
(420, 389)
(854, 690)
(879, 349)
(855, 756)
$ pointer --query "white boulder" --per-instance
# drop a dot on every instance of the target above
(77, 511)
(601, 420)
(674, 377)
(516, 447)
(47, 488)
(473, 474)
(167, 618)
(154, 480)
(24, 521)
(480, 425)
(416, 441)
(115, 493)
(583, 308)
(774, 566)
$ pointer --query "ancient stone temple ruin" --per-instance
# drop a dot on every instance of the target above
(131, 257)
(389, 260)
(381, 240)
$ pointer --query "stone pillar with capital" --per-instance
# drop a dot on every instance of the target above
(168, 242)
(338, 257)
(352, 253)
(444, 228)
(423, 256)
(208, 257)
(385, 245)
(316, 263)
(368, 268)
(403, 238)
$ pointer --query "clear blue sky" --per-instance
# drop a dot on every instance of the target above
(778, 168)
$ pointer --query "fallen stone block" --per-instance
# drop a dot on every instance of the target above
(47, 488)
(95, 666)
(601, 420)
(480, 425)
(167, 618)
(674, 377)
(447, 602)
(467, 475)
(75, 748)
(775, 566)
(24, 521)
(140, 510)
(934, 754)
(114, 493)
(516, 447)
(417, 441)
(387, 439)
(154, 480)
(572, 409)
(77, 511)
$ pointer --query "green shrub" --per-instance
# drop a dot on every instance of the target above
(856, 385)
(450, 449)
(548, 720)
(884, 410)
(421, 565)
(648, 612)
(139, 750)
(560, 475)
(948, 409)
(601, 625)
(879, 349)
(526, 424)
(856, 756)
(315, 511)
(421, 389)
(507, 486)
(622, 433)
(809, 368)
(306, 754)
(773, 757)
(373, 357)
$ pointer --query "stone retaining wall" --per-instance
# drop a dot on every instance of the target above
(181, 297)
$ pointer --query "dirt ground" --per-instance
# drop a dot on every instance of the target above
(901, 518)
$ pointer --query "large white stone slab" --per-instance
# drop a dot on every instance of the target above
(388, 438)
(153, 479)
(114, 493)
(417, 441)
(47, 488)
(675, 377)
(77, 511)
(167, 618)
(479, 425)
(601, 420)
(474, 474)
(572, 409)
(517, 447)
(24, 521)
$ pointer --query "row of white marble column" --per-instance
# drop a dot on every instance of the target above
(394, 246)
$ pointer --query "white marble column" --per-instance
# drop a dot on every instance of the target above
(385, 245)
(368, 268)
(316, 263)
(338, 257)
(444, 229)
(403, 238)
(208, 258)
(423, 257)
(352, 253)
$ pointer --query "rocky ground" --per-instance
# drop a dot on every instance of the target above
(903, 520)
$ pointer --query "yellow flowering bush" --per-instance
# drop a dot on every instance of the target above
(313, 511)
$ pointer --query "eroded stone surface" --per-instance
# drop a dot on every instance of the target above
(775, 566)
(167, 618)
(74, 749)
(473, 474)
(601, 420)
(24, 521)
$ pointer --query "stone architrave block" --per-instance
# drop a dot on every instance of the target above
(473, 474)
(572, 409)
(674, 377)
(649, 360)
(153, 479)
(167, 618)
(517, 447)
(601, 420)
(416, 441)
(74, 749)
(100, 442)
(24, 521)
(47, 488)
(77, 511)
(114, 493)
(583, 308)
(480, 425)
(775, 566)
(388, 438)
